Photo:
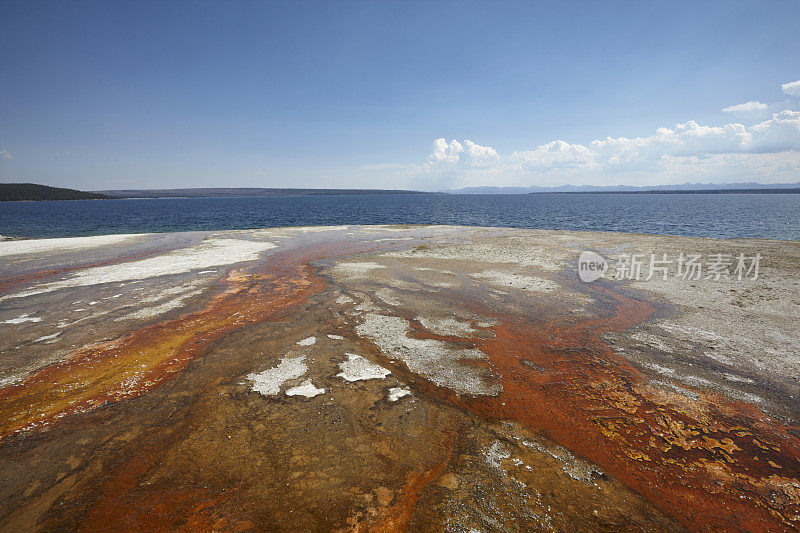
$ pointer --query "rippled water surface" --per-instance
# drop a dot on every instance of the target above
(775, 216)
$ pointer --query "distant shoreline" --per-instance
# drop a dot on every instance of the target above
(28, 192)
(245, 192)
(701, 191)
(367, 192)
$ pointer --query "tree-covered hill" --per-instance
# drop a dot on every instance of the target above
(10, 192)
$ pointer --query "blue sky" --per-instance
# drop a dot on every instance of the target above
(427, 95)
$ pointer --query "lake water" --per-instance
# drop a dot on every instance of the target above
(775, 216)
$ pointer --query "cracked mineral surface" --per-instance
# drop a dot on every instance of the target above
(394, 378)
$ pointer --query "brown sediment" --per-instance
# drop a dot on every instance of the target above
(152, 512)
(122, 505)
(398, 515)
(134, 364)
(126, 502)
(712, 463)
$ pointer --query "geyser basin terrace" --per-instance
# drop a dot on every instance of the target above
(390, 377)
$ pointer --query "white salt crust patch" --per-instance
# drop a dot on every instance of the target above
(30, 246)
(306, 389)
(743, 396)
(427, 269)
(341, 300)
(171, 291)
(308, 341)
(10, 380)
(63, 323)
(516, 252)
(447, 326)
(22, 318)
(660, 369)
(395, 393)
(575, 468)
(387, 296)
(652, 340)
(335, 337)
(516, 281)
(209, 253)
(47, 338)
(366, 305)
(430, 358)
(495, 454)
(313, 229)
(356, 269)
(269, 381)
(358, 368)
(157, 310)
(720, 358)
(734, 377)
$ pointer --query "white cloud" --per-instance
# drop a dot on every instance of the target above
(792, 88)
(768, 151)
(555, 154)
(468, 154)
(444, 152)
(6, 154)
(780, 133)
(747, 107)
(449, 160)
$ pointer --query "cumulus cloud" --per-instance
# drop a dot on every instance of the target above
(553, 155)
(791, 88)
(747, 107)
(769, 150)
(779, 133)
(468, 154)
(6, 154)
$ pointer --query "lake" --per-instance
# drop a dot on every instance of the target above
(773, 216)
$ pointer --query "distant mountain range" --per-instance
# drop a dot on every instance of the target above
(682, 188)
